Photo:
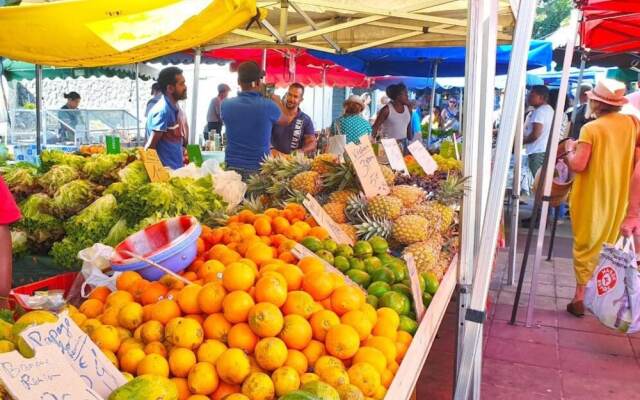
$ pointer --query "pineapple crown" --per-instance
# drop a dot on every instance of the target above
(451, 189)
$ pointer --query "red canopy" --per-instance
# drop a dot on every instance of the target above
(285, 66)
(611, 26)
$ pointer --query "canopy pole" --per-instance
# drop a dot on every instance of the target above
(551, 162)
(194, 98)
(264, 60)
(324, 85)
(284, 18)
(515, 198)
(576, 100)
(432, 100)
(38, 109)
(137, 104)
(474, 314)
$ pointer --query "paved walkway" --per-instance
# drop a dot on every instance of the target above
(560, 357)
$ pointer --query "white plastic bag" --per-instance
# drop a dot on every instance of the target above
(95, 260)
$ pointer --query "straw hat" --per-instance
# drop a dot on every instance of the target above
(609, 91)
(354, 98)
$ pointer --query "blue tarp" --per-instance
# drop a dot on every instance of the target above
(441, 83)
(419, 62)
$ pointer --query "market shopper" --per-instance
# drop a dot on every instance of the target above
(394, 119)
(603, 160)
(167, 128)
(537, 127)
(450, 115)
(366, 101)
(9, 214)
(69, 117)
(249, 120)
(351, 123)
(214, 117)
(582, 116)
(156, 94)
(298, 133)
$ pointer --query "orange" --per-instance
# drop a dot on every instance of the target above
(393, 367)
(265, 320)
(310, 264)
(210, 297)
(165, 310)
(196, 317)
(216, 327)
(152, 331)
(242, 337)
(183, 388)
(233, 366)
(262, 226)
(229, 257)
(300, 303)
(92, 308)
(153, 292)
(130, 316)
(272, 290)
(124, 333)
(385, 345)
(210, 350)
(203, 378)
(271, 212)
(201, 246)
(308, 377)
(126, 279)
(258, 386)
(106, 337)
(171, 282)
(318, 284)
(191, 276)
(153, 364)
(112, 357)
(188, 299)
(314, 351)
(100, 293)
(210, 267)
(388, 317)
(156, 348)
(401, 350)
(365, 377)
(181, 361)
(138, 288)
(296, 332)
(110, 315)
(118, 298)
(254, 364)
(372, 356)
(238, 276)
(303, 226)
(292, 274)
(319, 232)
(89, 325)
(295, 232)
(236, 306)
(184, 332)
(128, 344)
(386, 377)
(370, 312)
(271, 353)
(259, 253)
(347, 298)
(404, 337)
(297, 360)
(224, 389)
(358, 321)
(280, 225)
(246, 216)
(288, 257)
(326, 363)
(146, 312)
(342, 341)
(78, 318)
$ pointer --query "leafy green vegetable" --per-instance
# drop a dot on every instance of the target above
(57, 176)
(21, 180)
(134, 174)
(73, 197)
(104, 167)
(49, 158)
(6, 315)
(119, 232)
(95, 221)
(118, 189)
(65, 252)
(19, 244)
(42, 229)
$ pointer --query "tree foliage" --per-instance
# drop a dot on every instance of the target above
(550, 15)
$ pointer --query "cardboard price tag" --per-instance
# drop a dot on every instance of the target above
(367, 168)
(423, 157)
(46, 376)
(153, 165)
(85, 358)
(113, 144)
(195, 154)
(416, 291)
(324, 220)
(394, 155)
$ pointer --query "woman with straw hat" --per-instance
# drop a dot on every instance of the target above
(603, 160)
(351, 123)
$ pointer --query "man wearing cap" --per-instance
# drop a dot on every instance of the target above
(537, 127)
(298, 133)
(249, 119)
(581, 112)
(214, 120)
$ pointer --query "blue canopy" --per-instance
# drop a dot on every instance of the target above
(419, 61)
(412, 82)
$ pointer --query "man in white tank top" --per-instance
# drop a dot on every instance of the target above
(394, 119)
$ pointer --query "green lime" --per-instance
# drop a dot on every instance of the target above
(402, 288)
(325, 255)
(412, 314)
(386, 258)
(312, 243)
(396, 301)
(383, 274)
(406, 282)
(362, 249)
(400, 271)
(408, 325)
(421, 280)
(378, 288)
(373, 300)
(430, 282)
(360, 277)
(344, 250)
(342, 263)
(426, 299)
(379, 245)
(372, 264)
(330, 245)
(356, 263)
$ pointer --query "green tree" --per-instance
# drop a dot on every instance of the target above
(550, 15)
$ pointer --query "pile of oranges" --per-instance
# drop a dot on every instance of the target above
(255, 323)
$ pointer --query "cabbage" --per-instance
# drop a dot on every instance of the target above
(65, 252)
(119, 232)
(118, 189)
(21, 180)
(57, 176)
(104, 167)
(49, 158)
(42, 229)
(72, 197)
(95, 221)
(134, 174)
(19, 242)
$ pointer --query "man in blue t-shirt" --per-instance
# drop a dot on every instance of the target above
(167, 127)
(249, 118)
(298, 133)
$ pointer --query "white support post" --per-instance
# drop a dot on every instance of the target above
(474, 315)
(551, 162)
(38, 109)
(515, 198)
(194, 97)
(576, 100)
(137, 104)
(432, 102)
(264, 60)
(324, 85)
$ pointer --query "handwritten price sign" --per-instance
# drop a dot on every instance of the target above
(416, 291)
(153, 165)
(324, 220)
(74, 345)
(394, 155)
(367, 168)
(423, 157)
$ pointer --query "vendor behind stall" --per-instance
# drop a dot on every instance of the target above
(167, 127)
(298, 133)
(9, 213)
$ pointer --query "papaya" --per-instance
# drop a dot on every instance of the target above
(5, 330)
(321, 390)
(21, 344)
(146, 387)
(6, 346)
(299, 395)
(37, 317)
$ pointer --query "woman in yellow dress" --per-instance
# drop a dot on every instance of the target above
(603, 159)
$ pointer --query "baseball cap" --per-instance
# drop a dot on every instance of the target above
(249, 71)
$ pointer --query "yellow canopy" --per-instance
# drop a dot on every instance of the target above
(91, 33)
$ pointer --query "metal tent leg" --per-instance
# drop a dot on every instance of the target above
(193, 135)
(515, 199)
(38, 109)
(137, 104)
(556, 210)
(432, 102)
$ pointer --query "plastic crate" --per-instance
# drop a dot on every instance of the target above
(58, 282)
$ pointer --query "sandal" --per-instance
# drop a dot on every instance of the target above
(576, 308)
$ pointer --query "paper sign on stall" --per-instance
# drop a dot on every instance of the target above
(423, 157)
(76, 347)
(300, 251)
(45, 376)
(324, 220)
(394, 155)
(366, 164)
(416, 290)
(153, 165)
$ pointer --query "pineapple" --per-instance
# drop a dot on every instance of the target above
(410, 229)
(356, 208)
(388, 173)
(322, 163)
(307, 182)
(350, 230)
(386, 207)
(336, 211)
(427, 255)
(254, 204)
(409, 195)
(341, 196)
(371, 227)
(440, 217)
(340, 177)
